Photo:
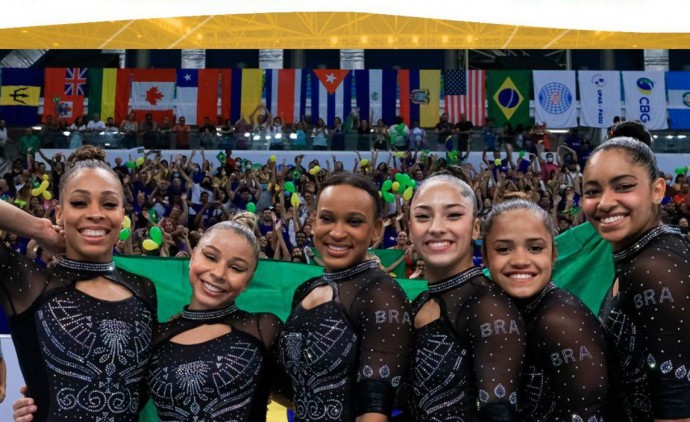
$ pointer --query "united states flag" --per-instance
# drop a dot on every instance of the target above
(465, 93)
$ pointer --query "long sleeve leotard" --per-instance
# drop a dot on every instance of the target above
(466, 365)
(223, 379)
(82, 358)
(654, 277)
(347, 357)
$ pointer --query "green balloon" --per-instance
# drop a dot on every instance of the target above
(388, 197)
(130, 164)
(387, 185)
(399, 177)
(290, 187)
(156, 235)
(251, 207)
(125, 233)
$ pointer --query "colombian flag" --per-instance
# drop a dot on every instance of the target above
(19, 96)
(420, 96)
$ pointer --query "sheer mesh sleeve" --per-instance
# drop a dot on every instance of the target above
(497, 334)
(22, 281)
(656, 291)
(382, 316)
(569, 341)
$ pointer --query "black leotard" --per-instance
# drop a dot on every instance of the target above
(82, 358)
(466, 365)
(566, 375)
(223, 379)
(654, 278)
(347, 357)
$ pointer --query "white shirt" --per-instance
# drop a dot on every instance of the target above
(3, 136)
(96, 125)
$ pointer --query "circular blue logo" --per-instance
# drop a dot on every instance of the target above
(598, 80)
(508, 98)
(645, 85)
(686, 99)
(555, 98)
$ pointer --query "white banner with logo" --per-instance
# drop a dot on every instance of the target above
(554, 98)
(645, 98)
(600, 97)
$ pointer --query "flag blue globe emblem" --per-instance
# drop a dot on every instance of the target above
(555, 98)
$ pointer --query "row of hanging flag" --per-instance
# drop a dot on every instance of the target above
(654, 98)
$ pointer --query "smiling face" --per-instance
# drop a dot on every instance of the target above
(345, 226)
(519, 253)
(220, 269)
(619, 197)
(442, 229)
(91, 213)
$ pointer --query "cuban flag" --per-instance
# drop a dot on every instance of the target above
(376, 91)
(331, 95)
(197, 95)
(678, 89)
(286, 93)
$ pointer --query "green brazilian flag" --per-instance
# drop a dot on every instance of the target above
(508, 92)
(584, 267)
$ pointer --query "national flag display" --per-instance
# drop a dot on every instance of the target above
(645, 98)
(376, 95)
(108, 91)
(286, 93)
(153, 91)
(420, 96)
(331, 95)
(240, 92)
(600, 97)
(464, 93)
(678, 89)
(508, 96)
(197, 94)
(64, 92)
(554, 98)
(20, 95)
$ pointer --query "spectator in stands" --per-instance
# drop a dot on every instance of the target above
(95, 124)
(149, 131)
(381, 138)
(320, 134)
(418, 137)
(3, 138)
(182, 130)
(364, 132)
(164, 132)
(464, 128)
(130, 128)
(399, 135)
(29, 144)
(444, 131)
(78, 129)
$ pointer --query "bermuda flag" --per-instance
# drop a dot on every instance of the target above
(465, 94)
(331, 95)
(376, 91)
(678, 91)
(197, 94)
(64, 92)
(286, 93)
(153, 91)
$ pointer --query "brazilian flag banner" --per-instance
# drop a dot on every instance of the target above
(508, 92)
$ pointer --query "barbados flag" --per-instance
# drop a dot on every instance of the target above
(507, 92)
(420, 96)
(678, 89)
(19, 96)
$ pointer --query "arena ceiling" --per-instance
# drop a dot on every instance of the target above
(313, 24)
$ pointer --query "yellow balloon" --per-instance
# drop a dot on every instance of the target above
(407, 195)
(395, 186)
(45, 177)
(47, 195)
(36, 191)
(273, 158)
(44, 185)
(317, 169)
(312, 171)
(399, 154)
(150, 245)
(364, 162)
(139, 162)
(126, 223)
(294, 200)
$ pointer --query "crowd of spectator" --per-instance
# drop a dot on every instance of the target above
(187, 193)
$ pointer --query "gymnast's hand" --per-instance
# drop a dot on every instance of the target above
(50, 237)
(24, 408)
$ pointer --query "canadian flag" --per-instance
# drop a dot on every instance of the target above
(153, 91)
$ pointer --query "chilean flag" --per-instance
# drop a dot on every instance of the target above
(286, 94)
(331, 95)
(197, 94)
(153, 91)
